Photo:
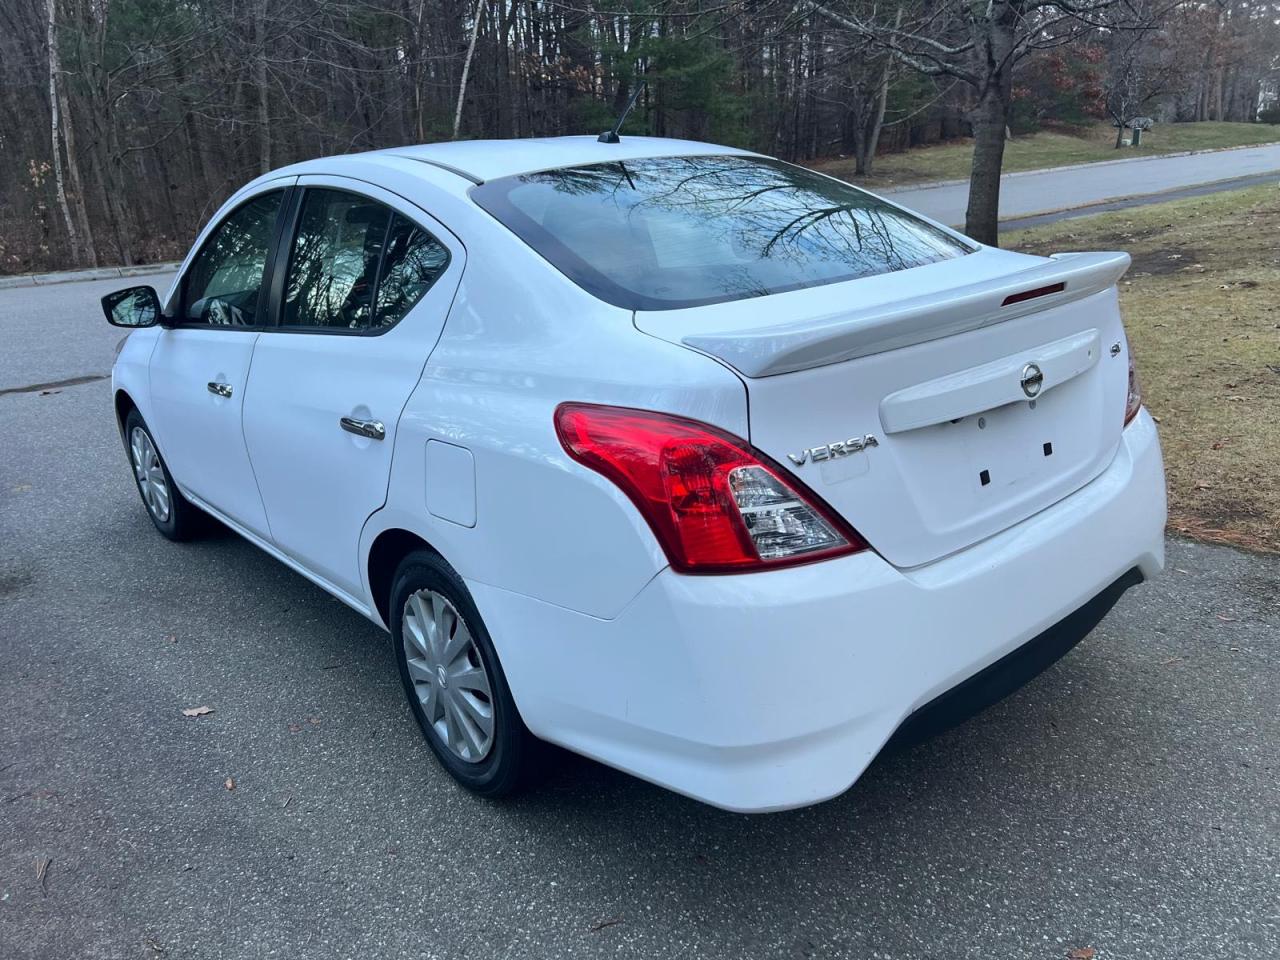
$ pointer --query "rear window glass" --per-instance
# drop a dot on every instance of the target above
(670, 232)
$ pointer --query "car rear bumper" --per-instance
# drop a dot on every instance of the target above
(775, 690)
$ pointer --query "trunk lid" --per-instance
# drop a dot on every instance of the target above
(961, 449)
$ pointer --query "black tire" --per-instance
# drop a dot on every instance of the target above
(502, 770)
(183, 520)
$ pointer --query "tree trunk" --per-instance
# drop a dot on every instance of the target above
(466, 68)
(260, 82)
(871, 142)
(77, 196)
(55, 134)
(992, 59)
(982, 217)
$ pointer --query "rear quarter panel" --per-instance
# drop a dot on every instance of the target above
(521, 339)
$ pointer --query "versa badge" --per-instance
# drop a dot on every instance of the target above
(830, 451)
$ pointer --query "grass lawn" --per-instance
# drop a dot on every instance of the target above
(1202, 307)
(950, 161)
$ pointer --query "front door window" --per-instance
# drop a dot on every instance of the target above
(224, 284)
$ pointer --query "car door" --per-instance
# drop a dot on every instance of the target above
(200, 365)
(360, 295)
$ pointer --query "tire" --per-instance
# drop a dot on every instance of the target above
(170, 512)
(451, 685)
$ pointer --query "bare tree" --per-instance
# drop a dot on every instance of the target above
(55, 131)
(980, 45)
(466, 66)
(1139, 70)
(124, 124)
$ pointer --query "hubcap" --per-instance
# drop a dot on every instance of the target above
(149, 474)
(449, 678)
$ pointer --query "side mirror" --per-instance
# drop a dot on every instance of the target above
(132, 307)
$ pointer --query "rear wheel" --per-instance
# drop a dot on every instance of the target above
(453, 680)
(168, 509)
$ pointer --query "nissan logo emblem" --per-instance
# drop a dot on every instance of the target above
(1032, 380)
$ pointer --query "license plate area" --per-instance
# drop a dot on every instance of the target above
(1001, 463)
(1014, 445)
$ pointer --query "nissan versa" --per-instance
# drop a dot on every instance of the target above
(710, 467)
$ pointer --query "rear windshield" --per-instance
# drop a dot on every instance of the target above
(671, 232)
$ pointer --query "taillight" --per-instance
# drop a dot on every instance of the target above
(715, 505)
(1133, 402)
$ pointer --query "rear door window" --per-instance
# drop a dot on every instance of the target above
(356, 265)
(671, 232)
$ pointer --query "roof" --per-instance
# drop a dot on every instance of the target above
(481, 160)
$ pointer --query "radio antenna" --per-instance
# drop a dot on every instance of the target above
(611, 136)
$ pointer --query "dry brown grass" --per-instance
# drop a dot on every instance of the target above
(1202, 307)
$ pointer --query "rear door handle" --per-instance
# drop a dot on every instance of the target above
(221, 389)
(373, 429)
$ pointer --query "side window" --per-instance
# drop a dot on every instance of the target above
(333, 268)
(356, 264)
(222, 285)
(413, 262)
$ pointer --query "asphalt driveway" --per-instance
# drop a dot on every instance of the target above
(1127, 801)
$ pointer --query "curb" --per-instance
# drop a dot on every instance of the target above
(97, 273)
(934, 184)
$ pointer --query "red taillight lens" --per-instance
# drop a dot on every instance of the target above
(1133, 403)
(714, 504)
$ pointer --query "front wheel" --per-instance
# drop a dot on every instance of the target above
(453, 680)
(168, 509)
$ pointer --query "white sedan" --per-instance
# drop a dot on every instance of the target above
(710, 467)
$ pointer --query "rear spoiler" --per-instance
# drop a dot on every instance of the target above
(791, 346)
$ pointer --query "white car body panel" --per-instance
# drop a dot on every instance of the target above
(819, 325)
(755, 691)
(789, 683)
(200, 432)
(919, 496)
(300, 387)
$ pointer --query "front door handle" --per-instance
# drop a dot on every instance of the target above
(373, 429)
(220, 389)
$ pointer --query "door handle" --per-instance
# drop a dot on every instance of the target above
(220, 389)
(373, 429)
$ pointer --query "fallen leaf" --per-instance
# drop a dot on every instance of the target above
(295, 728)
(229, 783)
(171, 638)
(151, 943)
(1082, 953)
(314, 721)
(42, 873)
(197, 711)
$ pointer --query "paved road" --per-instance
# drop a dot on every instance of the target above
(1128, 800)
(1036, 192)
